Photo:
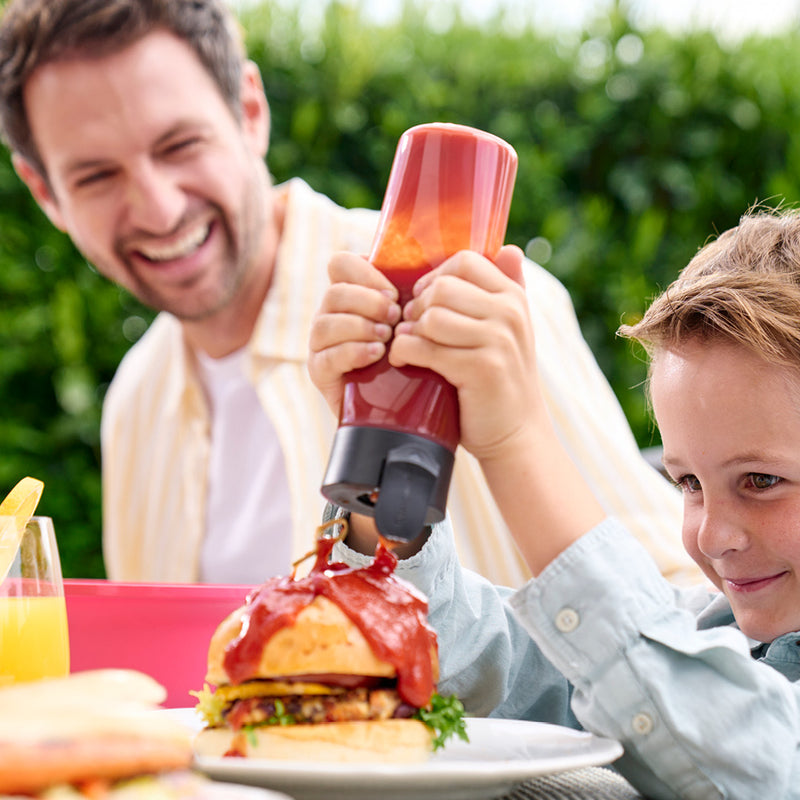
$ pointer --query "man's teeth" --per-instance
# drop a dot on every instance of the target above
(177, 249)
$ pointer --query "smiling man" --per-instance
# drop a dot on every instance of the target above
(157, 183)
(142, 131)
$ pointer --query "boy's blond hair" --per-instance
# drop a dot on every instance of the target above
(743, 286)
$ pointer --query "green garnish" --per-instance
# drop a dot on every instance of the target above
(445, 717)
(250, 733)
(281, 715)
(209, 706)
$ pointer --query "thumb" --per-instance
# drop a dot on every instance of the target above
(509, 261)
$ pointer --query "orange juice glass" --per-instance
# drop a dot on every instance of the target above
(34, 640)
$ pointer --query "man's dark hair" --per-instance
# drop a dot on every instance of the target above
(37, 32)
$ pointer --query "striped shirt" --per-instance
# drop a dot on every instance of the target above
(156, 437)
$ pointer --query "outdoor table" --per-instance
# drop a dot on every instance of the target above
(589, 783)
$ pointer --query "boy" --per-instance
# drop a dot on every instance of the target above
(699, 686)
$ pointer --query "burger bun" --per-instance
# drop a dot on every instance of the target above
(95, 724)
(379, 741)
(322, 640)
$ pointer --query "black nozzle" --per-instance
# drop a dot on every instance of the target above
(407, 484)
(398, 478)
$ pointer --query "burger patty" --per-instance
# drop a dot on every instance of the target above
(348, 706)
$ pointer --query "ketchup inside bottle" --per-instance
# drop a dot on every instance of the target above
(449, 190)
(407, 399)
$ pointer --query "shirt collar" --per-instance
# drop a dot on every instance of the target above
(314, 228)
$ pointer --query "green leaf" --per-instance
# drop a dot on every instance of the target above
(445, 717)
(281, 715)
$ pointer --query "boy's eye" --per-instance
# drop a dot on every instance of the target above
(688, 483)
(759, 480)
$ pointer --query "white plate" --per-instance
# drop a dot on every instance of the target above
(500, 754)
(214, 790)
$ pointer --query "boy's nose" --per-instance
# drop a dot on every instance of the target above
(719, 532)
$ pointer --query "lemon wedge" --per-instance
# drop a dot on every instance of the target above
(15, 511)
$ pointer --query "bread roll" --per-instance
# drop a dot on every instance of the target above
(96, 724)
(323, 640)
(384, 741)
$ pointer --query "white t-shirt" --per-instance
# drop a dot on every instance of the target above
(248, 520)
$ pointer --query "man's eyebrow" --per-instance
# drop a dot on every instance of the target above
(180, 128)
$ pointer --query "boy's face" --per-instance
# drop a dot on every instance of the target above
(730, 425)
(150, 174)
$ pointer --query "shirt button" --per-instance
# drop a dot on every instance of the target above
(642, 724)
(567, 620)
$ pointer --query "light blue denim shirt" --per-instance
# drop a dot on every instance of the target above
(663, 670)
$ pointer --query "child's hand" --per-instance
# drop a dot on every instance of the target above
(352, 326)
(469, 322)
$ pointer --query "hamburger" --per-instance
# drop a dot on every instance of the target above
(338, 665)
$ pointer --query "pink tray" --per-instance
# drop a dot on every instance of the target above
(160, 629)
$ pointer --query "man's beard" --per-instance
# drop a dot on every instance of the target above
(191, 304)
(237, 262)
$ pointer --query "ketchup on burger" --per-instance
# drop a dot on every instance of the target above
(340, 664)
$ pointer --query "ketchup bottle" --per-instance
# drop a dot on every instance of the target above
(392, 457)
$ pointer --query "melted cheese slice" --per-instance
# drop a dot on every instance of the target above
(271, 689)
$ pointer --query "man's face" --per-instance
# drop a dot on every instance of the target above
(151, 175)
(730, 424)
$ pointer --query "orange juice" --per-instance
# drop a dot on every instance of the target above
(33, 638)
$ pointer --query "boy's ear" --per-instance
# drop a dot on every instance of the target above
(39, 188)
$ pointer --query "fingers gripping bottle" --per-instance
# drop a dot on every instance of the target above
(392, 457)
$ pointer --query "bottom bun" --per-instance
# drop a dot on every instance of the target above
(391, 740)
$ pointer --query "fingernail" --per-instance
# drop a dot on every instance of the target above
(383, 332)
(422, 283)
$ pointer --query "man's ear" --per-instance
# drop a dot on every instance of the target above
(255, 109)
(39, 188)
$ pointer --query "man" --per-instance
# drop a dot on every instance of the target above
(141, 130)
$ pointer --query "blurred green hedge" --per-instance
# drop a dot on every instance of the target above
(635, 146)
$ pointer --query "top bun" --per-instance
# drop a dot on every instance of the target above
(323, 640)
